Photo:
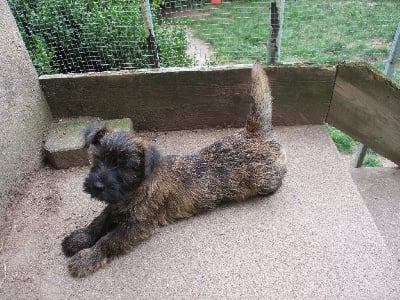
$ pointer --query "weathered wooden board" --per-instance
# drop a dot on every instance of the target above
(302, 93)
(366, 105)
(187, 98)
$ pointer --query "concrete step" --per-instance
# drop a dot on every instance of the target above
(313, 239)
(64, 143)
(380, 188)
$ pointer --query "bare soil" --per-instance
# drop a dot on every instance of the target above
(200, 51)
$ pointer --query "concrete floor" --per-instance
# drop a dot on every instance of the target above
(380, 188)
(314, 239)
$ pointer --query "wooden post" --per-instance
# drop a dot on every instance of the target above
(275, 31)
(149, 30)
(389, 70)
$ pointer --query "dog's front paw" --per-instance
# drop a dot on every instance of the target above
(75, 242)
(85, 262)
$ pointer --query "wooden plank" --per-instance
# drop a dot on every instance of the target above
(366, 105)
(187, 98)
(302, 94)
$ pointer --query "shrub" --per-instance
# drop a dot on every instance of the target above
(172, 44)
(85, 35)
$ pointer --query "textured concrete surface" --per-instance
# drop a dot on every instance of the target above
(380, 188)
(23, 112)
(313, 239)
(64, 144)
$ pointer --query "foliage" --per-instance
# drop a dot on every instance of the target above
(86, 35)
(371, 159)
(343, 142)
(172, 43)
(41, 55)
(347, 145)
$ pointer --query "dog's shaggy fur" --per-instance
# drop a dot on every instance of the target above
(144, 190)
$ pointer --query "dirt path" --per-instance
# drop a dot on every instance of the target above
(199, 50)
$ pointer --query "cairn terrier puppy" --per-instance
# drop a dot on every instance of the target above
(144, 190)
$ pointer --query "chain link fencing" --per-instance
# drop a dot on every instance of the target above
(65, 36)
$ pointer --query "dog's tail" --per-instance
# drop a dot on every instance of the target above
(259, 120)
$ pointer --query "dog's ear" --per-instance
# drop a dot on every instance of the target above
(151, 158)
(93, 135)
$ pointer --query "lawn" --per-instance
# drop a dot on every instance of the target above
(345, 144)
(314, 31)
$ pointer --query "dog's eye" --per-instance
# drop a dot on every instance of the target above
(120, 161)
(93, 159)
(121, 158)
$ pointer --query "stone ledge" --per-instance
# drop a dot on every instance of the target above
(64, 144)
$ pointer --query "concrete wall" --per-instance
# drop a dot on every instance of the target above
(23, 112)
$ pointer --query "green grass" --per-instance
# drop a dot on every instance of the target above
(345, 144)
(326, 31)
(237, 31)
(371, 159)
(318, 31)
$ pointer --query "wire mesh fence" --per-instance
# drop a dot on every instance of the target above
(64, 36)
(227, 32)
(97, 35)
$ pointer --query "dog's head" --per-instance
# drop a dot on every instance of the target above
(119, 163)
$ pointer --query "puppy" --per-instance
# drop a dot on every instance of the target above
(144, 190)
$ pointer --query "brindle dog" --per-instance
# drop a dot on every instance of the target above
(144, 190)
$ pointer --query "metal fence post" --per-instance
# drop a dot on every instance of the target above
(394, 54)
(389, 70)
(275, 31)
(149, 29)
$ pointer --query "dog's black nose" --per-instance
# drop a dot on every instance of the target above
(98, 187)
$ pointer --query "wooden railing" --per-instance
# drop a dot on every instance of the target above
(366, 105)
(354, 97)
